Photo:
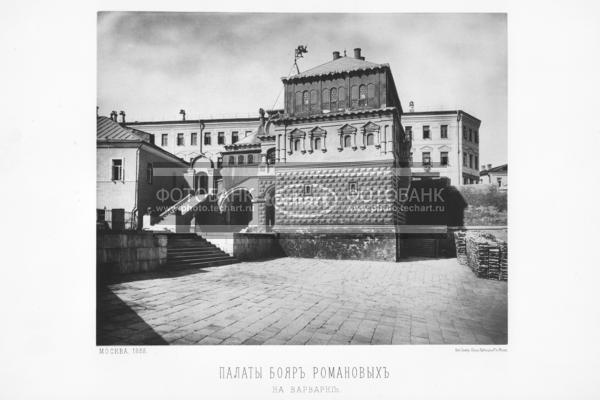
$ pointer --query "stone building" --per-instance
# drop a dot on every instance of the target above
(445, 144)
(130, 172)
(342, 157)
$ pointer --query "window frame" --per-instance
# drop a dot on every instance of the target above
(221, 138)
(426, 128)
(120, 169)
(444, 156)
(235, 137)
(164, 139)
(208, 136)
(424, 155)
(372, 137)
(347, 138)
(307, 190)
(317, 143)
(443, 131)
(180, 137)
(194, 139)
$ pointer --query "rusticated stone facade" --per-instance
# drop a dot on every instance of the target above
(339, 195)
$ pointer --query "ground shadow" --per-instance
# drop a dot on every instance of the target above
(158, 274)
(118, 324)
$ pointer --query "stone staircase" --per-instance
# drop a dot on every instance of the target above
(193, 251)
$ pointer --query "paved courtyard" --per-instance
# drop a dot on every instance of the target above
(306, 301)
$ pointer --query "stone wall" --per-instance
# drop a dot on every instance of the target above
(255, 246)
(341, 246)
(127, 252)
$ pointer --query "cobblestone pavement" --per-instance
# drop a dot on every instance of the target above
(307, 301)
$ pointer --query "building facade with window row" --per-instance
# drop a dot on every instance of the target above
(444, 143)
(190, 138)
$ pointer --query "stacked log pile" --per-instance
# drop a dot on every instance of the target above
(486, 255)
(461, 246)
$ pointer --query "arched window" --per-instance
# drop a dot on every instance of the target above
(347, 141)
(250, 159)
(241, 160)
(231, 160)
(296, 144)
(334, 99)
(305, 100)
(325, 99)
(371, 95)
(317, 143)
(370, 139)
(298, 102)
(354, 96)
(313, 99)
(362, 96)
(342, 98)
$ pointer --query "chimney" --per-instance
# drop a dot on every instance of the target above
(483, 167)
(489, 166)
(357, 54)
(411, 106)
(122, 114)
(336, 55)
(182, 112)
(113, 115)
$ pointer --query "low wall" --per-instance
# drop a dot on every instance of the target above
(127, 252)
(344, 246)
(253, 246)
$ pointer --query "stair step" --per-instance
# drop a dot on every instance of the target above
(194, 259)
(192, 250)
(203, 264)
(189, 256)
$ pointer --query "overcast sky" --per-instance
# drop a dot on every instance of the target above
(153, 64)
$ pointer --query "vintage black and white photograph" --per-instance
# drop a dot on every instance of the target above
(301, 179)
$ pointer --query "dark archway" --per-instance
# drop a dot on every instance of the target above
(236, 207)
(270, 207)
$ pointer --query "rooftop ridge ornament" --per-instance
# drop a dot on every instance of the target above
(298, 53)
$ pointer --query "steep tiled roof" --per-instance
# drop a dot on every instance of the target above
(342, 64)
(107, 129)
